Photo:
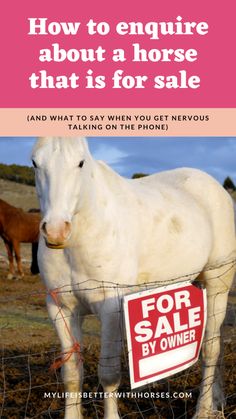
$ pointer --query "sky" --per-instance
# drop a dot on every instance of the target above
(129, 155)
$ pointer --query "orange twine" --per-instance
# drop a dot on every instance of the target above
(65, 356)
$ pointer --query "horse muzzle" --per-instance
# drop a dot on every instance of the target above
(55, 246)
(56, 236)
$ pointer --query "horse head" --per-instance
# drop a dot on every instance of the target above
(61, 168)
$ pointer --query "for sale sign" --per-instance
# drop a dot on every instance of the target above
(165, 328)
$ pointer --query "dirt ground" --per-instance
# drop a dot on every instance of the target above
(29, 346)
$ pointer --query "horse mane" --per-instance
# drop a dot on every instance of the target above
(110, 174)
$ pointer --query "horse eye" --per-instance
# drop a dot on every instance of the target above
(34, 164)
(81, 163)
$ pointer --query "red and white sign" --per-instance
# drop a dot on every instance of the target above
(165, 328)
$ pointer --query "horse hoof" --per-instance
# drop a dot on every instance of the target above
(10, 276)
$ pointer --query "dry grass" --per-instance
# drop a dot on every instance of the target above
(19, 195)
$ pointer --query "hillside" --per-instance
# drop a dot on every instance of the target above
(18, 194)
(233, 194)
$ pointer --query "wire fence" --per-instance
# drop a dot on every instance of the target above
(29, 346)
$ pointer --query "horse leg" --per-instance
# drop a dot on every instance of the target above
(9, 248)
(109, 363)
(217, 283)
(65, 320)
(34, 268)
(16, 246)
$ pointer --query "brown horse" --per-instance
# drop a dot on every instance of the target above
(17, 226)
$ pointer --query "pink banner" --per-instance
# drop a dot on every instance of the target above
(106, 54)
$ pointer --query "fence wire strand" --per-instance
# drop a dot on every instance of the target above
(25, 377)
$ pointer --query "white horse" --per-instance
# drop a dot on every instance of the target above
(99, 230)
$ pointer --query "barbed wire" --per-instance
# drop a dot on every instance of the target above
(140, 286)
(33, 379)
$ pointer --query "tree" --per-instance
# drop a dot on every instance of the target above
(138, 175)
(229, 184)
